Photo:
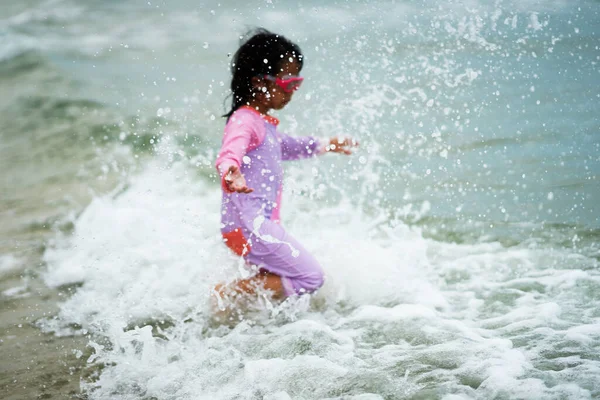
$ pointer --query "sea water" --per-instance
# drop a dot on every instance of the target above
(460, 241)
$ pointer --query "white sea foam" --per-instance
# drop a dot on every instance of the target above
(8, 263)
(396, 310)
(17, 291)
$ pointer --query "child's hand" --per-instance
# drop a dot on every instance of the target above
(235, 180)
(341, 145)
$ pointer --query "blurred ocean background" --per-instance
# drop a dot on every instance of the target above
(461, 242)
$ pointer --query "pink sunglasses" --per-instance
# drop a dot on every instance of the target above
(288, 85)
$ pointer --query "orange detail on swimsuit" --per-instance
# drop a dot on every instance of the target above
(236, 241)
(269, 118)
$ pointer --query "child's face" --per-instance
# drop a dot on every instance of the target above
(275, 97)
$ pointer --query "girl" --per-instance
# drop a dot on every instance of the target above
(266, 72)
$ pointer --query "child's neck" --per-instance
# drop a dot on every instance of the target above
(259, 106)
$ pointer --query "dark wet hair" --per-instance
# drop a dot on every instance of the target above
(261, 53)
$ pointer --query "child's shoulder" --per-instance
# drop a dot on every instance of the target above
(246, 120)
(244, 115)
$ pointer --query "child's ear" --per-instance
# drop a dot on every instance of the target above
(257, 82)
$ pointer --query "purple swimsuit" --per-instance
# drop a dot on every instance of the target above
(250, 222)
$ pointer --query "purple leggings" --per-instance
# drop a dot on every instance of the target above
(272, 249)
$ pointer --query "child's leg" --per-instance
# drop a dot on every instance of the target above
(267, 281)
(288, 268)
(274, 250)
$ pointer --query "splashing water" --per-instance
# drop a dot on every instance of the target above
(459, 242)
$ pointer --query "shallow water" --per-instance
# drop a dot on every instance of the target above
(460, 242)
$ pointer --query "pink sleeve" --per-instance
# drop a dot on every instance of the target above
(244, 132)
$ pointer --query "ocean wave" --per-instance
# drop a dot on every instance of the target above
(49, 12)
(398, 313)
(20, 62)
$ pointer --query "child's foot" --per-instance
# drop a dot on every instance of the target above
(229, 306)
(225, 306)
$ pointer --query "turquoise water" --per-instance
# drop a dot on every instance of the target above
(460, 241)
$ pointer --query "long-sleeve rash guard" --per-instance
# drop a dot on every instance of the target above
(249, 221)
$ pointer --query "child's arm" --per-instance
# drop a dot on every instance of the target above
(294, 148)
(235, 145)
(240, 136)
